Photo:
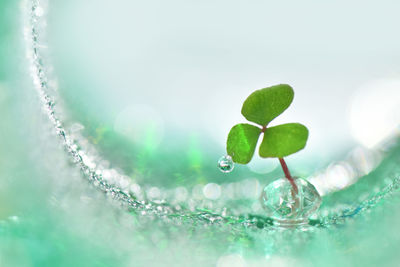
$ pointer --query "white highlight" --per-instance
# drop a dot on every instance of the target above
(212, 191)
(339, 175)
(375, 112)
(39, 11)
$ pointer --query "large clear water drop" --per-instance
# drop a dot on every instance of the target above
(225, 164)
(286, 206)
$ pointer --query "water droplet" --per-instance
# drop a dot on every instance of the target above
(225, 164)
(286, 207)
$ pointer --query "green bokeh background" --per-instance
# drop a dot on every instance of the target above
(50, 216)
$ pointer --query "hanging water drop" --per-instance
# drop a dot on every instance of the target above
(225, 164)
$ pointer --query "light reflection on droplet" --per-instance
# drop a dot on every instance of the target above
(340, 175)
(336, 177)
(212, 191)
(181, 194)
(88, 161)
(319, 182)
(39, 11)
(360, 162)
(124, 182)
(153, 193)
(225, 164)
(135, 189)
(365, 160)
(107, 174)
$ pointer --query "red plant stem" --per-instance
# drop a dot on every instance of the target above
(287, 174)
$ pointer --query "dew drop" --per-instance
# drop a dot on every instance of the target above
(225, 164)
(287, 208)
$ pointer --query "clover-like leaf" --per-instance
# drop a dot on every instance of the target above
(242, 141)
(264, 105)
(283, 140)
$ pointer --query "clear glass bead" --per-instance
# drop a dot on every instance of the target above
(286, 206)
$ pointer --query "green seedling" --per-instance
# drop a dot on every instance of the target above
(261, 107)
